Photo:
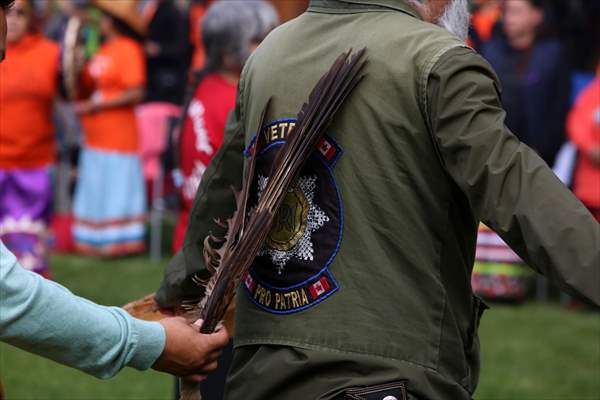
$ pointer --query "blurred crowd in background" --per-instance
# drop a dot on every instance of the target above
(111, 110)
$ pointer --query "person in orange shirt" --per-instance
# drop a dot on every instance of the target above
(28, 85)
(110, 205)
(583, 127)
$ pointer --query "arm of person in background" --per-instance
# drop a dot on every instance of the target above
(214, 199)
(132, 77)
(507, 185)
(43, 317)
(128, 97)
(85, 83)
(581, 124)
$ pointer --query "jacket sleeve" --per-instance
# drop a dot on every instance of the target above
(214, 200)
(506, 184)
(43, 317)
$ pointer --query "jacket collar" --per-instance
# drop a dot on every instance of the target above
(364, 5)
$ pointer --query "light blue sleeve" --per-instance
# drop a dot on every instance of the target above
(43, 317)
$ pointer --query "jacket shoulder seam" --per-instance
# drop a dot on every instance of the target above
(426, 71)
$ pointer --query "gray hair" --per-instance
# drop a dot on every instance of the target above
(456, 18)
(266, 17)
(228, 27)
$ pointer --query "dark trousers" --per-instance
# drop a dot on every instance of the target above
(213, 388)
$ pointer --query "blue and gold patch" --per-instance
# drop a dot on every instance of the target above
(291, 272)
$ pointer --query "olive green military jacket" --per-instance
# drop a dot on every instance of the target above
(365, 276)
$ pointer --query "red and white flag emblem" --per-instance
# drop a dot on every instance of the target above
(326, 149)
(249, 282)
(319, 287)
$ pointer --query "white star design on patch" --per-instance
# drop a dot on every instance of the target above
(315, 219)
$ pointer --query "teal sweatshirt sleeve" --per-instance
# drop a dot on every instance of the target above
(43, 317)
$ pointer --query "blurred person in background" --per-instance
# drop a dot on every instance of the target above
(44, 318)
(56, 14)
(110, 202)
(535, 93)
(168, 52)
(484, 20)
(579, 28)
(230, 33)
(583, 127)
(27, 140)
(196, 13)
(532, 67)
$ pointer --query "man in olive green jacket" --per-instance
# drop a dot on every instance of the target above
(364, 280)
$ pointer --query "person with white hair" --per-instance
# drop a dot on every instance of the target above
(231, 30)
(362, 289)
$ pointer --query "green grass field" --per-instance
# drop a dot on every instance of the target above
(529, 352)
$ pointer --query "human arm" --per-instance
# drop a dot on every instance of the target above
(43, 317)
(130, 96)
(188, 353)
(506, 184)
(128, 60)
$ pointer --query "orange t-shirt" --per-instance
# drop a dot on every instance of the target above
(28, 84)
(118, 65)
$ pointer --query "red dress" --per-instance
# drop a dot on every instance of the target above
(201, 137)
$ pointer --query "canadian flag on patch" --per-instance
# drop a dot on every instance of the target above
(249, 282)
(326, 149)
(319, 287)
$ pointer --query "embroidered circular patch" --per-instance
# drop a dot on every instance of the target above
(291, 271)
(290, 221)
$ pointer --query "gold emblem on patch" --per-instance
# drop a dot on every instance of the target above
(290, 221)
